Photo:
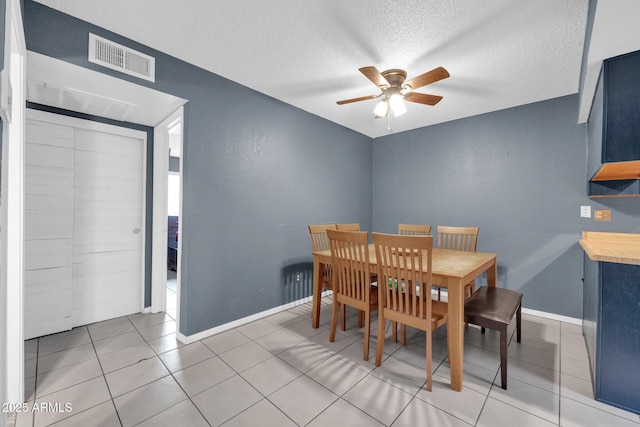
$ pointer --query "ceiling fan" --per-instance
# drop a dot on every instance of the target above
(395, 89)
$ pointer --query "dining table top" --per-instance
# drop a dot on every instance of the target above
(445, 262)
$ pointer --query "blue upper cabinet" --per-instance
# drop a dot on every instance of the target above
(621, 126)
(614, 130)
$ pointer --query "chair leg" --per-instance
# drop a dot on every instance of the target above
(469, 289)
(503, 355)
(394, 330)
(343, 307)
(429, 362)
(334, 320)
(367, 333)
(438, 294)
(381, 327)
(360, 316)
(403, 334)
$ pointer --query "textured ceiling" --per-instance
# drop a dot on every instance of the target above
(500, 53)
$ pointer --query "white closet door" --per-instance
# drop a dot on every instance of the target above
(84, 233)
(107, 237)
(48, 228)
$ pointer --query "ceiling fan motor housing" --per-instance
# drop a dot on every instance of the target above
(395, 77)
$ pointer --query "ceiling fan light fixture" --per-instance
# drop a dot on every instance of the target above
(382, 108)
(396, 104)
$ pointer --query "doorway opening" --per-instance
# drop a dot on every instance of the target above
(174, 132)
(167, 209)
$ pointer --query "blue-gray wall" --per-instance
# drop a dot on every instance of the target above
(519, 174)
(256, 173)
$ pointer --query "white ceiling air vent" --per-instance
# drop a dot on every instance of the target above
(117, 57)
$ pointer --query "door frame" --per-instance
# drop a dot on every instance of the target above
(76, 122)
(12, 214)
(160, 226)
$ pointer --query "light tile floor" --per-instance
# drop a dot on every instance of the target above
(172, 289)
(278, 371)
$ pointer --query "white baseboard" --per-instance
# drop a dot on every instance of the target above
(188, 339)
(552, 316)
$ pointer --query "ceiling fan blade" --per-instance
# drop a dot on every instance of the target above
(427, 78)
(374, 75)
(422, 98)
(362, 98)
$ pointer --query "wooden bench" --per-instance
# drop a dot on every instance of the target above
(493, 308)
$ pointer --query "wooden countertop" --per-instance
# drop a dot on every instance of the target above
(623, 248)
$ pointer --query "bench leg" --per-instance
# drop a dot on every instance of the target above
(503, 355)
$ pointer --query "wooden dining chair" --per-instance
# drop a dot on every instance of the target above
(459, 239)
(352, 279)
(319, 239)
(320, 242)
(409, 230)
(404, 289)
(348, 227)
(414, 230)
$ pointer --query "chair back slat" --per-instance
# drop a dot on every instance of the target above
(458, 238)
(414, 229)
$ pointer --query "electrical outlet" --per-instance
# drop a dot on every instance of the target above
(602, 215)
(585, 211)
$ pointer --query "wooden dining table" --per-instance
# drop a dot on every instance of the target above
(451, 270)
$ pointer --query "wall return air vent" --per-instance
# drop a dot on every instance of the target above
(117, 57)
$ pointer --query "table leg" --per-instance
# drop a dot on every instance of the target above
(455, 331)
(318, 272)
(492, 274)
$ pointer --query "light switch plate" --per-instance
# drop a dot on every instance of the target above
(585, 211)
(602, 214)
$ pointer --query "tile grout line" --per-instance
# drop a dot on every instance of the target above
(104, 377)
(156, 355)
